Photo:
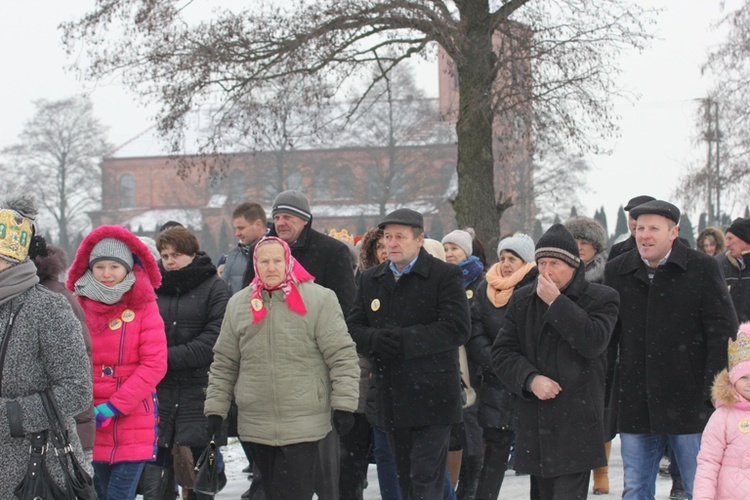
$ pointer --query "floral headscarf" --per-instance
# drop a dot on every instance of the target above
(294, 274)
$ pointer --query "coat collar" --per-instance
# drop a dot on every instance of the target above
(577, 284)
(301, 241)
(632, 262)
(421, 267)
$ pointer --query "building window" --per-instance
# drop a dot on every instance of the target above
(322, 183)
(215, 184)
(346, 182)
(127, 191)
(237, 186)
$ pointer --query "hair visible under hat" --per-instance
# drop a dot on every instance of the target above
(112, 249)
(462, 239)
(558, 243)
(292, 202)
(521, 244)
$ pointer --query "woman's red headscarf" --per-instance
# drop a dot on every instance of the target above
(294, 275)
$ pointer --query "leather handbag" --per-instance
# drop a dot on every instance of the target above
(77, 481)
(37, 483)
(209, 471)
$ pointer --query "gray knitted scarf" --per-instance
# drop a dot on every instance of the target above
(17, 279)
(87, 286)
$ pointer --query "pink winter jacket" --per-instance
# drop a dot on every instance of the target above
(724, 457)
(129, 353)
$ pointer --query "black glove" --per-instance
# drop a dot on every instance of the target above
(343, 421)
(387, 343)
(214, 425)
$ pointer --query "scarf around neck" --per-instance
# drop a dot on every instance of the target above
(472, 269)
(500, 289)
(17, 279)
(87, 286)
(294, 275)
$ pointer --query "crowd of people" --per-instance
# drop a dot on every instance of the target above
(417, 355)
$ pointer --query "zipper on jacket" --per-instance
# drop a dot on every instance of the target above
(115, 443)
(273, 365)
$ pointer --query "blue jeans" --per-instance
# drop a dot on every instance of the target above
(641, 454)
(117, 481)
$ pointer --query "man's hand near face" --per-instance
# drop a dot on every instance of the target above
(546, 290)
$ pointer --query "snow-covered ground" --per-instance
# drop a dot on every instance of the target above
(514, 487)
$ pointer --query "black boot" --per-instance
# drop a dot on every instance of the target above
(157, 483)
(471, 469)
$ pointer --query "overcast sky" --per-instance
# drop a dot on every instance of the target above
(657, 131)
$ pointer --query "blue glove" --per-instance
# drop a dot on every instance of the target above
(104, 413)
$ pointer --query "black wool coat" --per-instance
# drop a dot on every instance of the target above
(326, 258)
(737, 278)
(670, 340)
(428, 306)
(567, 342)
(622, 247)
(496, 402)
(191, 302)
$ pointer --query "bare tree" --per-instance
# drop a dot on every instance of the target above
(561, 61)
(57, 156)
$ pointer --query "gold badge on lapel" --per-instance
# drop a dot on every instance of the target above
(115, 324)
(256, 304)
(744, 426)
(375, 304)
(128, 315)
(469, 294)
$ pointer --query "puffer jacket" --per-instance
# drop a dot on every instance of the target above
(287, 371)
(191, 301)
(724, 458)
(129, 357)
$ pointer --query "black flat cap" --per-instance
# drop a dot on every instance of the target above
(404, 217)
(638, 200)
(657, 207)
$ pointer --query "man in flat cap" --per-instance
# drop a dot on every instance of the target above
(736, 270)
(629, 244)
(551, 353)
(410, 315)
(671, 339)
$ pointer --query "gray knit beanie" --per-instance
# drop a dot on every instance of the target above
(520, 244)
(112, 249)
(585, 228)
(292, 202)
(461, 239)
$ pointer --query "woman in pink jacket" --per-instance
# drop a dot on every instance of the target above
(724, 458)
(113, 277)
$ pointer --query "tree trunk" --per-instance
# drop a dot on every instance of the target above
(475, 204)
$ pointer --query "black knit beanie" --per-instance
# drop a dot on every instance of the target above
(740, 228)
(558, 243)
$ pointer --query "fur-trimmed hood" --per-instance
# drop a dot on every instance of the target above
(718, 235)
(723, 392)
(146, 270)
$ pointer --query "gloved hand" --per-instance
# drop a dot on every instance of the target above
(103, 414)
(214, 425)
(343, 421)
(387, 343)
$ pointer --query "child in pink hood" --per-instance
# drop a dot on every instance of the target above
(724, 457)
(113, 277)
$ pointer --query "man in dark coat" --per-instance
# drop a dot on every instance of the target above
(330, 262)
(410, 315)
(736, 270)
(551, 352)
(629, 244)
(671, 339)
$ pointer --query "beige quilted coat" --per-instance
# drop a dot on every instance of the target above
(286, 372)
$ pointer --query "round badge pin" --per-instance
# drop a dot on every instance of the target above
(256, 304)
(744, 426)
(128, 315)
(115, 324)
(375, 304)
(469, 294)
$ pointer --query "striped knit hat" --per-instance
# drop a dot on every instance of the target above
(292, 202)
(112, 249)
(558, 243)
